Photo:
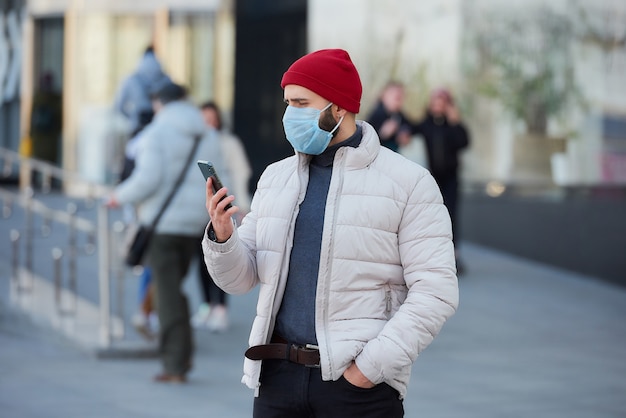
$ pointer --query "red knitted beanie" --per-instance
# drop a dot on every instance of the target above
(329, 73)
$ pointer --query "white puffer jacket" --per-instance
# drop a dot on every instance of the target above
(387, 279)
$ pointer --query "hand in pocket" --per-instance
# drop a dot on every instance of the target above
(354, 376)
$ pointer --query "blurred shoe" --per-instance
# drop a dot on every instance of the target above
(201, 317)
(169, 378)
(218, 319)
(141, 323)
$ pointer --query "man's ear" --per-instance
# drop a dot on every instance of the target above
(338, 112)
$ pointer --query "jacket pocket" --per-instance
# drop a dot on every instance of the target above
(388, 302)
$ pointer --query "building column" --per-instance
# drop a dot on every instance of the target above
(26, 87)
(225, 56)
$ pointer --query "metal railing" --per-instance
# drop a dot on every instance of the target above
(97, 232)
(48, 172)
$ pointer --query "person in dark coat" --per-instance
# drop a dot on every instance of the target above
(387, 118)
(445, 136)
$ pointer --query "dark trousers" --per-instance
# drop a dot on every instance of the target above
(449, 187)
(212, 293)
(169, 257)
(292, 390)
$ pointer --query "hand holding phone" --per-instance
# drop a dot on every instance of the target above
(209, 171)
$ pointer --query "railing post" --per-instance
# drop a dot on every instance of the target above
(90, 247)
(46, 180)
(103, 275)
(90, 200)
(28, 231)
(46, 223)
(72, 208)
(57, 257)
(6, 207)
(15, 257)
(120, 274)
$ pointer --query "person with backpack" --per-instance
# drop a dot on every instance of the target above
(174, 141)
(134, 102)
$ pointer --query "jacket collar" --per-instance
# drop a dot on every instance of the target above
(367, 151)
(358, 157)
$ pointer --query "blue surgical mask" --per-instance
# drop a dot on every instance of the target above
(303, 131)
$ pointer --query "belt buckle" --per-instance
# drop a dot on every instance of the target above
(312, 347)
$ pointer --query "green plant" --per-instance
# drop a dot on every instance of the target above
(525, 62)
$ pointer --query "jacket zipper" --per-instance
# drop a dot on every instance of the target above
(337, 174)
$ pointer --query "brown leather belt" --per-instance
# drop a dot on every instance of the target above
(279, 349)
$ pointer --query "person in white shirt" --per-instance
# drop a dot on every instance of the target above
(212, 312)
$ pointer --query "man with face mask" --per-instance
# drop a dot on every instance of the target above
(351, 246)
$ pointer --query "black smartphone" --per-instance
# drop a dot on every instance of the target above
(209, 171)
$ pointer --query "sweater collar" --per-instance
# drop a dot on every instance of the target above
(326, 158)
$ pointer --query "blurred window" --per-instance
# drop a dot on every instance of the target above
(191, 51)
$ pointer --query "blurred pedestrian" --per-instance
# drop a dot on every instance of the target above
(446, 136)
(133, 91)
(168, 143)
(133, 99)
(392, 126)
(213, 311)
(134, 144)
(235, 156)
(351, 246)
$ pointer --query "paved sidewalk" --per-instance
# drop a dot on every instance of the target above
(528, 341)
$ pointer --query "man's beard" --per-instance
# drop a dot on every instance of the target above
(327, 122)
